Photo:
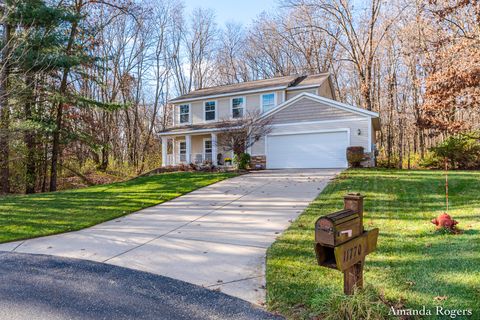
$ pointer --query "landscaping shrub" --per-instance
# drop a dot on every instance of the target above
(355, 155)
(242, 161)
(461, 152)
(432, 161)
(384, 162)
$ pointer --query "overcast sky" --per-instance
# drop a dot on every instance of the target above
(239, 11)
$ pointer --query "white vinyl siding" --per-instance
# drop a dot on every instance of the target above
(258, 148)
(197, 112)
(293, 93)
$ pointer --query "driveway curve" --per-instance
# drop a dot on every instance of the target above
(54, 288)
(215, 237)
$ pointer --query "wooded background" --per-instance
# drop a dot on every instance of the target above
(85, 84)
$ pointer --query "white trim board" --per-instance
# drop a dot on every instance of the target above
(370, 133)
(289, 133)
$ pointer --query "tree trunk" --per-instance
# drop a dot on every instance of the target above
(45, 168)
(104, 163)
(29, 139)
(5, 112)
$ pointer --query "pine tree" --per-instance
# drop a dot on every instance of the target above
(38, 54)
(48, 54)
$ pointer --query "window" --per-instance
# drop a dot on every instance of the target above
(210, 111)
(207, 150)
(182, 146)
(268, 101)
(184, 113)
(237, 107)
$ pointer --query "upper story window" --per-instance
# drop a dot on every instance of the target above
(184, 113)
(210, 111)
(238, 105)
(268, 102)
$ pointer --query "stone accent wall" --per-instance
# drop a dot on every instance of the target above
(370, 160)
(258, 162)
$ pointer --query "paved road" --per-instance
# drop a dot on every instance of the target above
(37, 287)
(215, 237)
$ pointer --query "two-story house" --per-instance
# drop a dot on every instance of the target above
(310, 129)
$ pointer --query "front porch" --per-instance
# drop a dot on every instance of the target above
(194, 148)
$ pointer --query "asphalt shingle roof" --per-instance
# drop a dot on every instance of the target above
(286, 82)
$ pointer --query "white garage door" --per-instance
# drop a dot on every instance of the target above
(310, 150)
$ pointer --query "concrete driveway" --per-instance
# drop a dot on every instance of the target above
(215, 237)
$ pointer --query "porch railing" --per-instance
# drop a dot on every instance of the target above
(196, 158)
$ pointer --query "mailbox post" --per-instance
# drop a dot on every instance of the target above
(342, 243)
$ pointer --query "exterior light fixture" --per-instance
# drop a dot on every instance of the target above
(359, 132)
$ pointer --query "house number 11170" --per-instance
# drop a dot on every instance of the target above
(351, 253)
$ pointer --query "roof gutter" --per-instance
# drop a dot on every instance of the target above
(194, 131)
(311, 86)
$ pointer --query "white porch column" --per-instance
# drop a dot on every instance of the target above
(174, 152)
(164, 151)
(188, 143)
(214, 149)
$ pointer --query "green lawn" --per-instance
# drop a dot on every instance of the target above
(49, 213)
(412, 266)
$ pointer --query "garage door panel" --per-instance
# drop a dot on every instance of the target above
(308, 150)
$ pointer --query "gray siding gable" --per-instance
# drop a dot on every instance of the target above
(307, 110)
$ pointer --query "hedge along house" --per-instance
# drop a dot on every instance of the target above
(310, 129)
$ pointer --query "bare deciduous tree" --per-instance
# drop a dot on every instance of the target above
(240, 134)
